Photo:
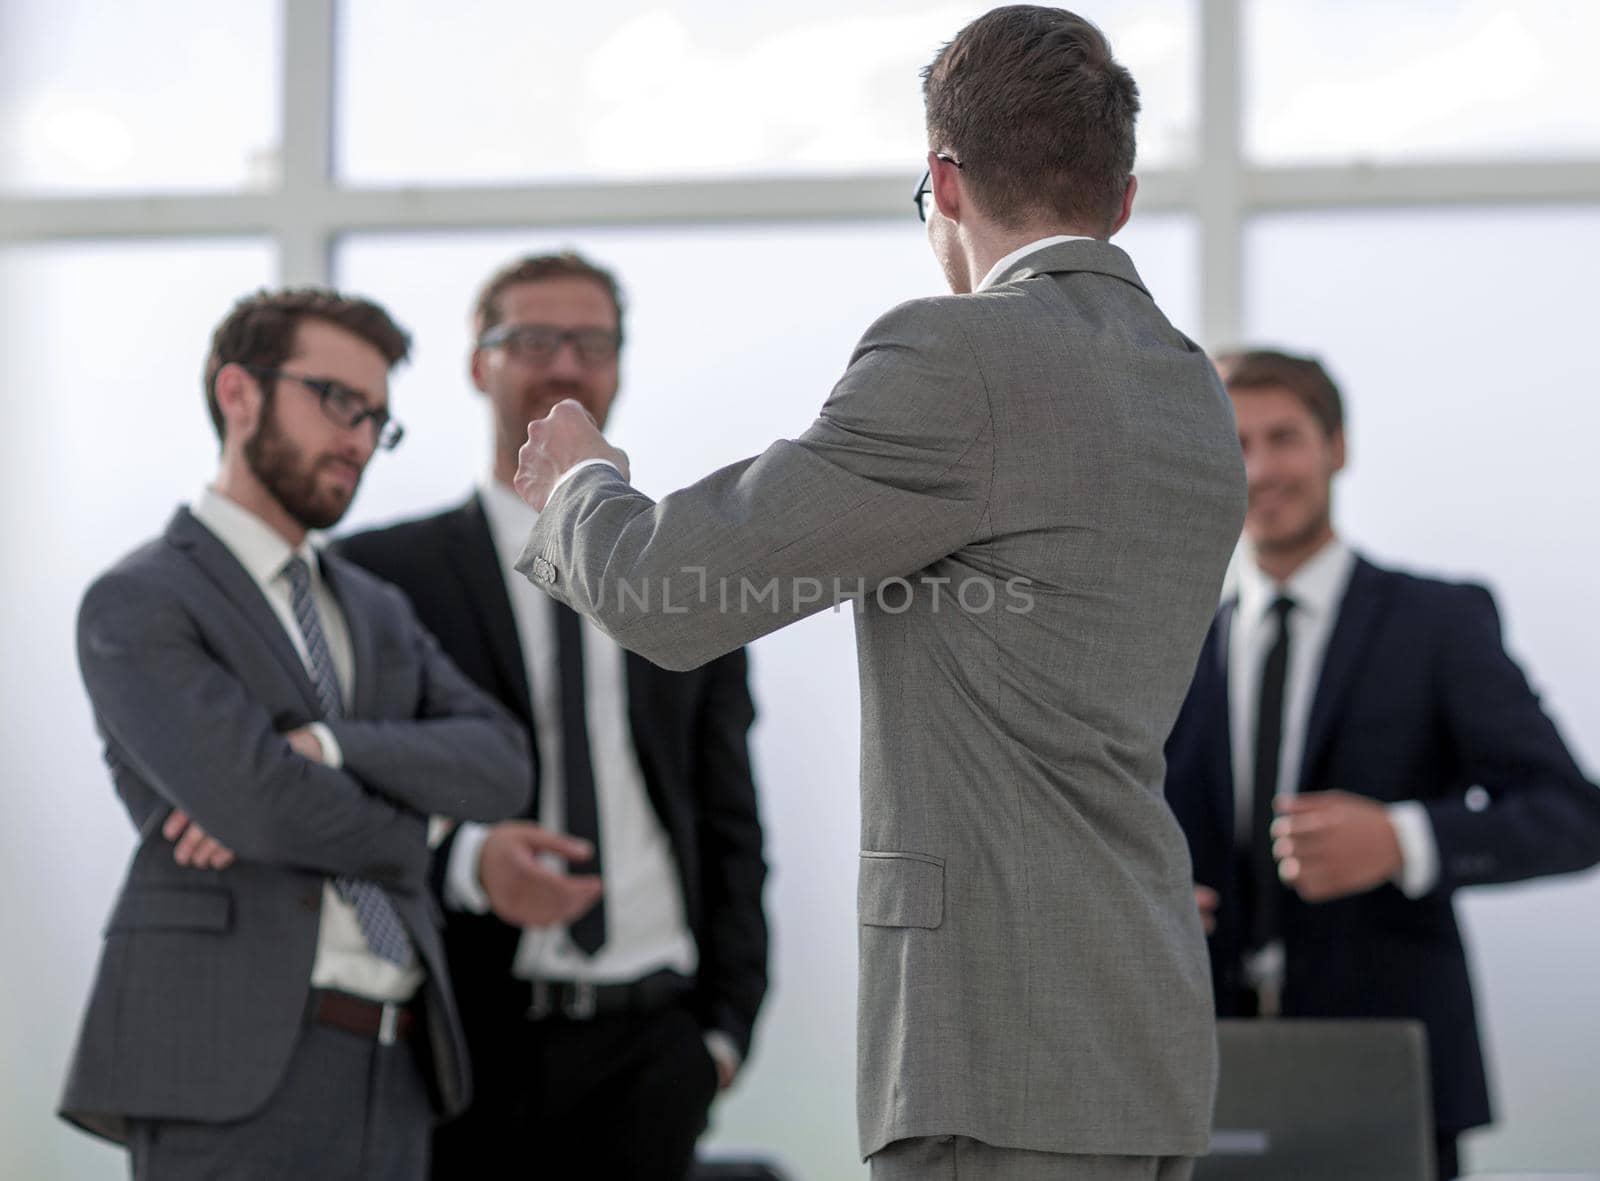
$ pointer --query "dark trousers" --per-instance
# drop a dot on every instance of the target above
(348, 1109)
(1446, 1155)
(618, 1098)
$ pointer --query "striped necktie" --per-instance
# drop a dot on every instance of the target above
(375, 911)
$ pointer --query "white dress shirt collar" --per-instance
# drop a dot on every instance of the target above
(1022, 252)
(260, 549)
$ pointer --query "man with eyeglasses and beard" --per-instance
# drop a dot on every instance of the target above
(597, 1045)
(271, 1000)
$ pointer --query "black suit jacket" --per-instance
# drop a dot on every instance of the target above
(1417, 700)
(689, 730)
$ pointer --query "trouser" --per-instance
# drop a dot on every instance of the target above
(1447, 1154)
(621, 1097)
(960, 1158)
(348, 1109)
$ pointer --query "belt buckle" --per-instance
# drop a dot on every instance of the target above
(580, 1002)
(388, 1024)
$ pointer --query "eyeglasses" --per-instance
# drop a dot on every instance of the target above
(343, 406)
(923, 197)
(539, 343)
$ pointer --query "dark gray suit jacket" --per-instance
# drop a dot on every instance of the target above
(1054, 473)
(203, 981)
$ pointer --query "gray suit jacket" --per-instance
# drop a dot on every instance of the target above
(203, 980)
(1052, 473)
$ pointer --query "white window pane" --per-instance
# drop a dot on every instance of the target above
(1165, 248)
(1462, 342)
(101, 97)
(735, 337)
(509, 91)
(101, 348)
(1425, 79)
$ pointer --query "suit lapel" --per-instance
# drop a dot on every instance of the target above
(654, 699)
(478, 566)
(190, 537)
(1361, 607)
(359, 621)
(1214, 689)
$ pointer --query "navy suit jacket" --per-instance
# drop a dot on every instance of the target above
(1417, 700)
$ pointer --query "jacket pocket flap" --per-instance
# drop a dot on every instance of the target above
(901, 890)
(158, 908)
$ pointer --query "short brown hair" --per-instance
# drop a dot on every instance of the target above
(1040, 115)
(259, 332)
(534, 268)
(1244, 370)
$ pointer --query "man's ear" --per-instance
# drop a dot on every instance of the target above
(475, 367)
(239, 397)
(1127, 205)
(945, 177)
(1336, 444)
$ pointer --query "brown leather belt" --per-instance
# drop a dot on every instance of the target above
(387, 1022)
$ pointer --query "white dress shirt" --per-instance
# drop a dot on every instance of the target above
(1317, 588)
(343, 960)
(646, 928)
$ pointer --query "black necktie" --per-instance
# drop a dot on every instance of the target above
(588, 931)
(1266, 891)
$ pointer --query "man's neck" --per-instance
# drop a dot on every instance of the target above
(505, 467)
(1281, 565)
(249, 494)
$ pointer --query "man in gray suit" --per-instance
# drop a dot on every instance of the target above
(271, 999)
(1032, 486)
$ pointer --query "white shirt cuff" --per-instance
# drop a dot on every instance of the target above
(576, 468)
(462, 889)
(722, 1049)
(1419, 852)
(332, 756)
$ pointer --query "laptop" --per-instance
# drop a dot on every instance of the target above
(1314, 1100)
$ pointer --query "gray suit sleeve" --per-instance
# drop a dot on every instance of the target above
(190, 729)
(893, 475)
(461, 756)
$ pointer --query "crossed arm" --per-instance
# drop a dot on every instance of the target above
(191, 732)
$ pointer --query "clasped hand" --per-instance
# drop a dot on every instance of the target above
(523, 889)
(1328, 845)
